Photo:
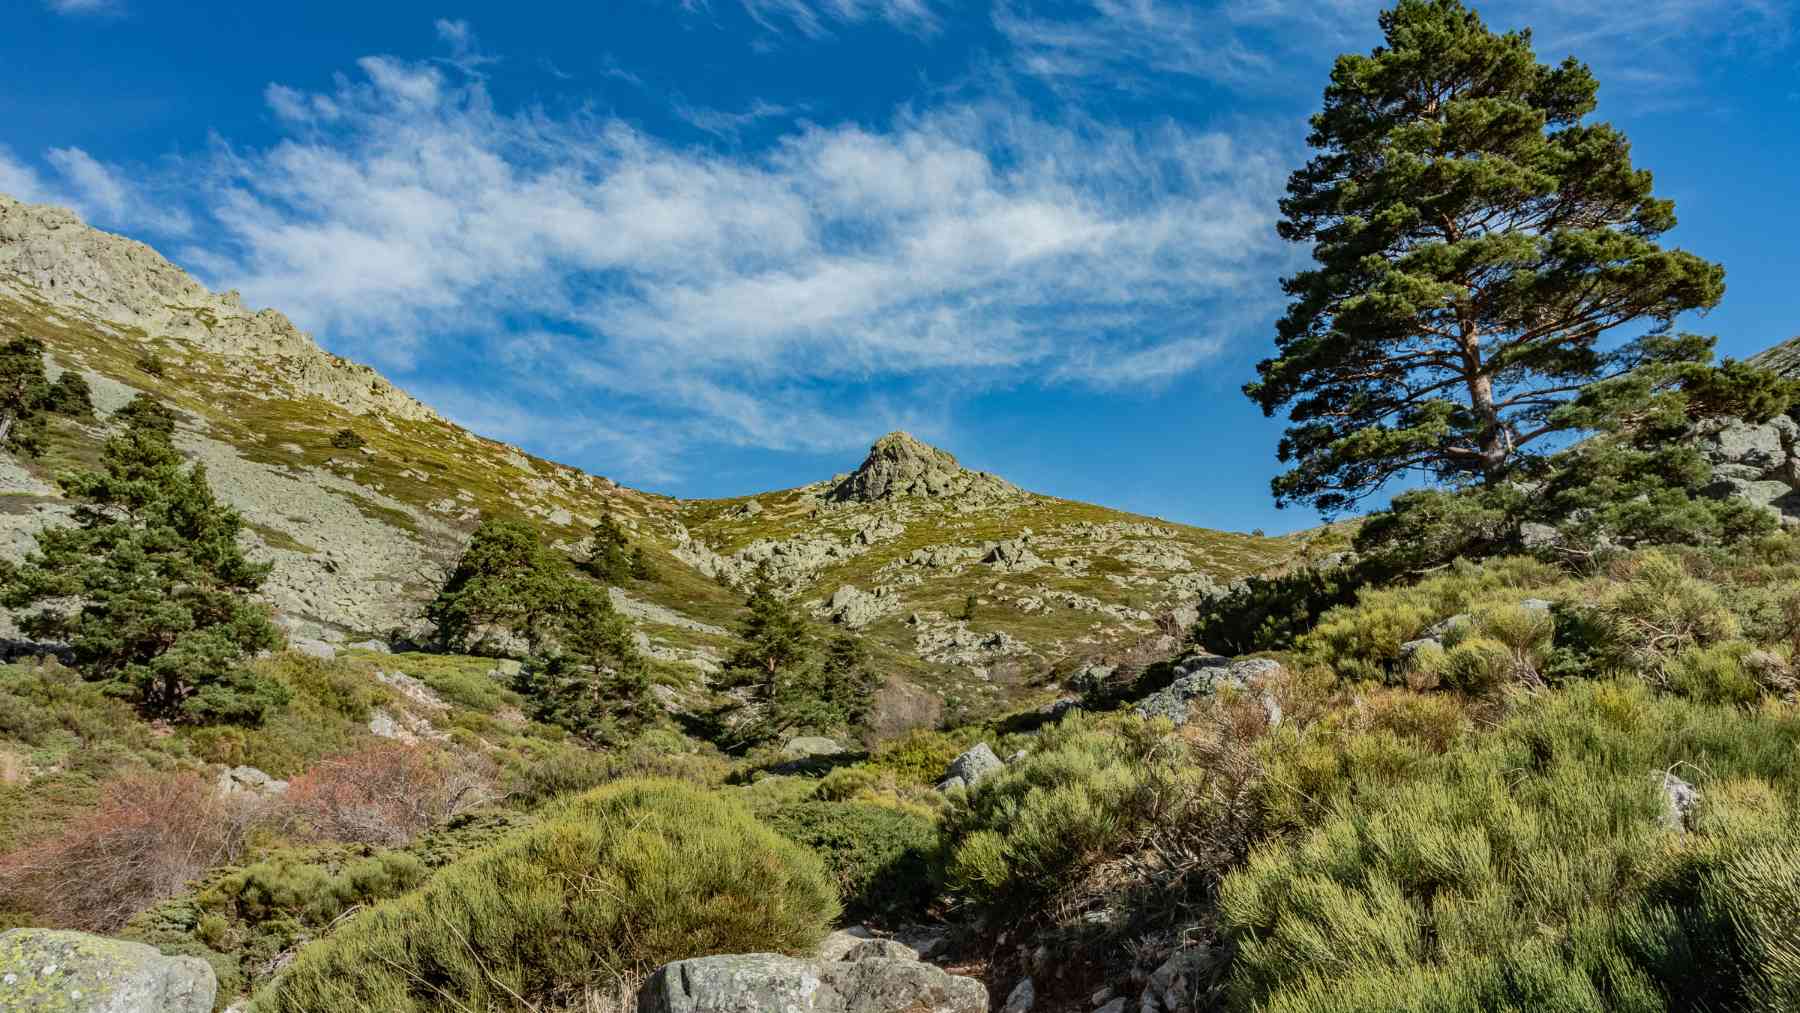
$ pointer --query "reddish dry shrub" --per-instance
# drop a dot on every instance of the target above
(150, 835)
(386, 793)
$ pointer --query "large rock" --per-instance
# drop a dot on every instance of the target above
(45, 970)
(855, 608)
(899, 465)
(1201, 676)
(973, 766)
(769, 983)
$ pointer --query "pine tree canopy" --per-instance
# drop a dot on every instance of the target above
(1482, 255)
(150, 587)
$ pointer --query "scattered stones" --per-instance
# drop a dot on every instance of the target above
(1012, 556)
(762, 982)
(50, 971)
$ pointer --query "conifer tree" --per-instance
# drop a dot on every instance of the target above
(150, 587)
(1483, 255)
(592, 680)
(507, 581)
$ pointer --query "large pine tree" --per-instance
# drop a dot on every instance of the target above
(1483, 256)
(150, 586)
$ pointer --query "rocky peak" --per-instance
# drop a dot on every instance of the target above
(901, 465)
(48, 253)
(1783, 358)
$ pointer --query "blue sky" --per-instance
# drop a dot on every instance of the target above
(710, 247)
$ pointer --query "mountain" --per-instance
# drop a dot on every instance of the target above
(960, 581)
(1783, 358)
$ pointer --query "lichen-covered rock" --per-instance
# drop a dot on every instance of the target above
(766, 982)
(1201, 676)
(974, 765)
(855, 608)
(881, 949)
(1021, 998)
(52, 971)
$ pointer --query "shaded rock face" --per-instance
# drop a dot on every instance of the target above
(764, 982)
(899, 465)
(44, 970)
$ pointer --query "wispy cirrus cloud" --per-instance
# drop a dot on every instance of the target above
(85, 7)
(1645, 49)
(839, 280)
(819, 18)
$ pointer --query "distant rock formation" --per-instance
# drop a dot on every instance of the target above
(1783, 358)
(49, 253)
(900, 465)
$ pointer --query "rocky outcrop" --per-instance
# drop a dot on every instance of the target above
(1760, 463)
(49, 253)
(765, 982)
(1199, 677)
(51, 971)
(855, 608)
(899, 465)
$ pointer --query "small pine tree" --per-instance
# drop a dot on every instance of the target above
(592, 681)
(775, 636)
(506, 581)
(23, 393)
(163, 609)
(347, 439)
(147, 413)
(70, 395)
(611, 559)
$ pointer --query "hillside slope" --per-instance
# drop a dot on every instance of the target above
(899, 549)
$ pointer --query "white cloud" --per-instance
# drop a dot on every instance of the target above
(817, 18)
(101, 193)
(840, 280)
(79, 7)
(1257, 44)
(730, 125)
(21, 181)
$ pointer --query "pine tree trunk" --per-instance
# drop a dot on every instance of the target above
(1481, 402)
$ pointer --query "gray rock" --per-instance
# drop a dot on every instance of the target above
(1013, 556)
(1536, 605)
(241, 779)
(950, 784)
(372, 646)
(855, 608)
(881, 949)
(811, 745)
(1202, 676)
(1115, 1006)
(1437, 630)
(1680, 796)
(899, 465)
(45, 970)
(1175, 984)
(1022, 997)
(769, 983)
(313, 648)
(976, 764)
(842, 941)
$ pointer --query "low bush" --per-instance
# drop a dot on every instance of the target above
(1533, 867)
(605, 885)
(347, 439)
(150, 834)
(386, 793)
(880, 856)
(1026, 830)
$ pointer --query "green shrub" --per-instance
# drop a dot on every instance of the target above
(1026, 829)
(919, 756)
(347, 439)
(151, 363)
(881, 856)
(1531, 867)
(607, 884)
